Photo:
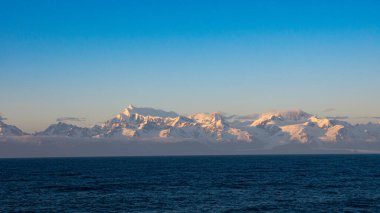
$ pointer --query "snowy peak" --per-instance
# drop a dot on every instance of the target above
(218, 129)
(213, 120)
(66, 130)
(321, 122)
(271, 129)
(272, 118)
(180, 121)
(9, 130)
(294, 115)
(144, 111)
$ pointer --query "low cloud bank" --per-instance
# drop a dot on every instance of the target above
(27, 146)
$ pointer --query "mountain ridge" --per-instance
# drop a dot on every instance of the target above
(271, 128)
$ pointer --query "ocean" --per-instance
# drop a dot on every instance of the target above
(273, 183)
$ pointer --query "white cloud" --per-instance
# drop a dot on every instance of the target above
(329, 110)
(71, 119)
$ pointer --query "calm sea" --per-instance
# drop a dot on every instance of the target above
(308, 183)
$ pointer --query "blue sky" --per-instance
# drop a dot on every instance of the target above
(91, 58)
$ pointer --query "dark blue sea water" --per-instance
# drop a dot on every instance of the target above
(308, 183)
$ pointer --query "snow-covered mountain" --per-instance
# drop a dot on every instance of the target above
(281, 118)
(217, 127)
(69, 130)
(298, 126)
(157, 124)
(270, 129)
(9, 130)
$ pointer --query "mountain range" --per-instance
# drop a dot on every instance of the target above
(269, 129)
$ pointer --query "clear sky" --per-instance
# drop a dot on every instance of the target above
(89, 59)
